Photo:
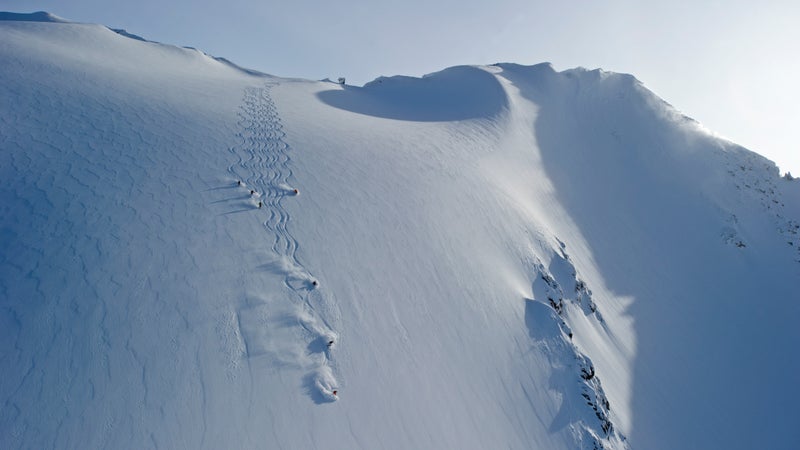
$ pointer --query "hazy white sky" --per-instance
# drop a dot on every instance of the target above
(732, 64)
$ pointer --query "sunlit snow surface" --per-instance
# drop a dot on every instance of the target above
(504, 257)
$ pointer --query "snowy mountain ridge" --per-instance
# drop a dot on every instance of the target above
(39, 16)
(197, 255)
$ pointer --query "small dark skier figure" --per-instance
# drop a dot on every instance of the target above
(295, 191)
(252, 192)
(330, 344)
(238, 182)
(314, 283)
(335, 393)
(259, 205)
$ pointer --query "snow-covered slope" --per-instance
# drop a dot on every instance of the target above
(503, 257)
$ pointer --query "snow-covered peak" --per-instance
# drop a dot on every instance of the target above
(39, 16)
(193, 255)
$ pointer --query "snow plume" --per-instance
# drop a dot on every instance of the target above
(286, 189)
(294, 275)
(279, 334)
(322, 384)
(317, 329)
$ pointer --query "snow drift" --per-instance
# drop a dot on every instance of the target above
(486, 257)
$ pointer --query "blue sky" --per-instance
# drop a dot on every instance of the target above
(731, 65)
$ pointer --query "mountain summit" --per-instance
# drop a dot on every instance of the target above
(194, 255)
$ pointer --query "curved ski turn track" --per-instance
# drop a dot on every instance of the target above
(264, 171)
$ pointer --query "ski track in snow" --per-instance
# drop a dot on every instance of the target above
(264, 166)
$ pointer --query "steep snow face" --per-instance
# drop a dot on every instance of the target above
(194, 255)
(653, 221)
(692, 230)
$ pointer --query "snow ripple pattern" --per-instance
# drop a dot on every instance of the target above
(264, 166)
